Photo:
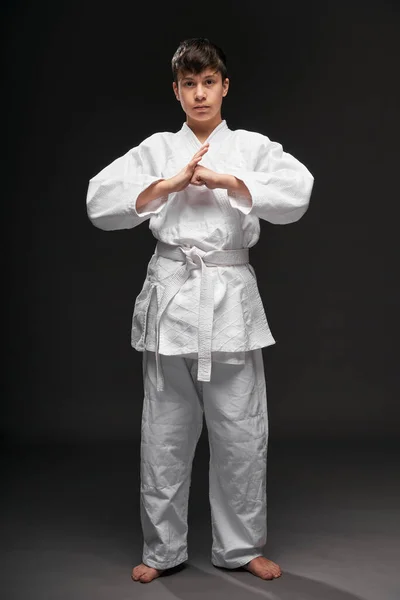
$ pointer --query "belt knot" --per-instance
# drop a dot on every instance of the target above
(194, 257)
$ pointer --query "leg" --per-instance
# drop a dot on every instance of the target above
(235, 407)
(171, 425)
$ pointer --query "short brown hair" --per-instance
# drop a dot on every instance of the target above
(196, 54)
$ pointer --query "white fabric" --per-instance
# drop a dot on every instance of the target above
(194, 258)
(280, 187)
(234, 404)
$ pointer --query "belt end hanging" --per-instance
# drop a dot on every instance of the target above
(159, 374)
(204, 369)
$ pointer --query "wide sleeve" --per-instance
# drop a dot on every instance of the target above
(279, 184)
(113, 192)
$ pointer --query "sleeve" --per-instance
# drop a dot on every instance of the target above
(279, 184)
(113, 192)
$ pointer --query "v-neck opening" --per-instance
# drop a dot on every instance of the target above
(193, 137)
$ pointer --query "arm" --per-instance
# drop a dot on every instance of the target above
(113, 193)
(277, 188)
(236, 189)
(130, 189)
(155, 191)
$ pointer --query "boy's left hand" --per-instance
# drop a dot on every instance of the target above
(204, 176)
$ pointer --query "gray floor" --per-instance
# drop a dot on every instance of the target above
(70, 525)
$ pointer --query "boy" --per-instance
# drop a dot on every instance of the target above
(199, 319)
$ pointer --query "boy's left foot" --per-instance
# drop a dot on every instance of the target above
(145, 574)
(263, 567)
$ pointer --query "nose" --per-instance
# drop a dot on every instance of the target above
(199, 92)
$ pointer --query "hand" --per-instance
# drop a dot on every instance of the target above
(182, 179)
(211, 179)
(204, 176)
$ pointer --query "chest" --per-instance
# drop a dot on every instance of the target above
(220, 157)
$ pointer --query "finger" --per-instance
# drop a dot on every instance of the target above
(193, 163)
(202, 151)
(198, 156)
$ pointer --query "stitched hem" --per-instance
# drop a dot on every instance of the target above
(236, 564)
(168, 565)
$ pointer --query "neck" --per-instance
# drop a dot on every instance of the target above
(203, 130)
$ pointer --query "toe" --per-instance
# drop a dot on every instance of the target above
(137, 572)
(276, 575)
(277, 571)
(267, 575)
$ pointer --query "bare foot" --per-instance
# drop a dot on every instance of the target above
(145, 574)
(263, 567)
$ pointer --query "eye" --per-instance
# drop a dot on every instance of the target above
(210, 81)
(188, 83)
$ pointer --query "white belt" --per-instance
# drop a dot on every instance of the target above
(195, 258)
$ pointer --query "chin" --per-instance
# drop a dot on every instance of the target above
(202, 116)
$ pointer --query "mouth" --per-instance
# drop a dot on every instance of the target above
(200, 107)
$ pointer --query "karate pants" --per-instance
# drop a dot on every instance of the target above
(234, 404)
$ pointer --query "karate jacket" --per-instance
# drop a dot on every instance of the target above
(280, 188)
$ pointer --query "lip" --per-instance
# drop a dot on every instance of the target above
(200, 107)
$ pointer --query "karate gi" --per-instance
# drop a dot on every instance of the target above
(200, 323)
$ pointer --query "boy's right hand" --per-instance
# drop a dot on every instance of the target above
(182, 179)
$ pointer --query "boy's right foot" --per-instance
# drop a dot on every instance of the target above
(145, 574)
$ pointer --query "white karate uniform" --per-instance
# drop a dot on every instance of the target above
(199, 274)
(235, 408)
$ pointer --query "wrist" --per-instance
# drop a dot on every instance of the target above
(236, 187)
(225, 181)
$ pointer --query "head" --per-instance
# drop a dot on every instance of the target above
(200, 78)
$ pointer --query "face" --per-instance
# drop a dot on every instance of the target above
(201, 95)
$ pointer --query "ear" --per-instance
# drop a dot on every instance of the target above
(175, 88)
(225, 86)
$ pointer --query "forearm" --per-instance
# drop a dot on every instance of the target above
(234, 186)
(158, 189)
(279, 197)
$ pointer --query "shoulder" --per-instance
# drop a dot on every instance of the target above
(157, 140)
(253, 139)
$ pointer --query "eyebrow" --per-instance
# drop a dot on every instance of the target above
(205, 76)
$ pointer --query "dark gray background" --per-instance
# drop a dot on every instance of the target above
(86, 82)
